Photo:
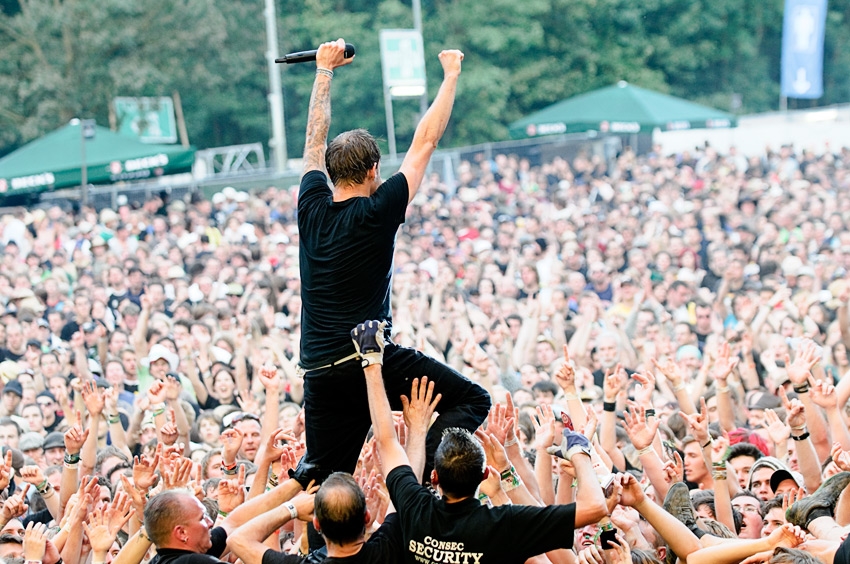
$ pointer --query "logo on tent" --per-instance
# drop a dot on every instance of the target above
(33, 181)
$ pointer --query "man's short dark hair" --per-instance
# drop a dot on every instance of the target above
(341, 509)
(162, 513)
(775, 503)
(351, 155)
(545, 386)
(9, 422)
(459, 462)
(744, 449)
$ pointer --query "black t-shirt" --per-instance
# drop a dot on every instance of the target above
(466, 531)
(42, 516)
(346, 258)
(174, 556)
(383, 547)
(842, 555)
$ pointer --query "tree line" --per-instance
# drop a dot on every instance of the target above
(61, 59)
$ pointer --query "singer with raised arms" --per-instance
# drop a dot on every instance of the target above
(347, 231)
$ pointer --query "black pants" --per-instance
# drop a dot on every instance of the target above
(337, 408)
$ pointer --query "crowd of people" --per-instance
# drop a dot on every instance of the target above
(672, 328)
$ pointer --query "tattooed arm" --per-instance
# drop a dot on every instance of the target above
(329, 56)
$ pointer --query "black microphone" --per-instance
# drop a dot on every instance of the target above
(304, 56)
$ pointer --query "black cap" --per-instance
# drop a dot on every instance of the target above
(34, 343)
(780, 476)
(46, 394)
(14, 387)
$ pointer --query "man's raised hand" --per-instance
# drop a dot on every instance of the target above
(451, 59)
(419, 409)
(331, 55)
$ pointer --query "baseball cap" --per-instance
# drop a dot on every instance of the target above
(161, 352)
(14, 387)
(781, 475)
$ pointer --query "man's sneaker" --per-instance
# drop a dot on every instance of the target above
(819, 504)
(368, 339)
(678, 504)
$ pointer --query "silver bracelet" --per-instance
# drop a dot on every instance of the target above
(326, 72)
(511, 442)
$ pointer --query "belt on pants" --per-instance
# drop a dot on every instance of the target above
(301, 370)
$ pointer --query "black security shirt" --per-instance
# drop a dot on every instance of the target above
(173, 556)
(383, 547)
(467, 532)
(346, 258)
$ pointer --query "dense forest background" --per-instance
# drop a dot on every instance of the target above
(61, 59)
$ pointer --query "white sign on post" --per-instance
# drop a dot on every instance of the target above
(403, 62)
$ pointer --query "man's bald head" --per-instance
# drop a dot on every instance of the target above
(341, 509)
(164, 512)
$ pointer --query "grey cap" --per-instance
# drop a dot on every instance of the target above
(54, 440)
(30, 441)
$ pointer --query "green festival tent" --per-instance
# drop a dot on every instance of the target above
(55, 161)
(620, 109)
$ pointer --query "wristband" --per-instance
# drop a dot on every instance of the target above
(510, 479)
(645, 450)
(723, 390)
(223, 513)
(112, 419)
(293, 511)
(679, 387)
(72, 458)
(709, 443)
(568, 397)
(650, 413)
(39, 562)
(802, 389)
(609, 406)
(802, 437)
(328, 73)
(511, 442)
(716, 475)
(230, 470)
(43, 487)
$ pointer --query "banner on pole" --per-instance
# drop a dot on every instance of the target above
(802, 48)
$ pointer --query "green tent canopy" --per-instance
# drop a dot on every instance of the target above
(55, 160)
(622, 109)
